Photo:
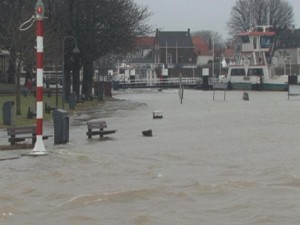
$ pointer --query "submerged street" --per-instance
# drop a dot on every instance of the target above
(208, 162)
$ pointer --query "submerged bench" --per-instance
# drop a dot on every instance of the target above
(97, 128)
(48, 108)
(18, 134)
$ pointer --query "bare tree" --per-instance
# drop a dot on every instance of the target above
(211, 37)
(247, 14)
(20, 44)
(100, 27)
(106, 26)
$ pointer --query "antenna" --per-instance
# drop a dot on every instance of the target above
(264, 27)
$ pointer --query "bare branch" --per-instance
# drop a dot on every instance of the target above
(249, 13)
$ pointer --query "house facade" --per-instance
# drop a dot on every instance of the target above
(286, 56)
(140, 60)
(288, 49)
(169, 53)
(174, 49)
(204, 54)
(4, 55)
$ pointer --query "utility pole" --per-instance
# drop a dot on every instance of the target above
(39, 148)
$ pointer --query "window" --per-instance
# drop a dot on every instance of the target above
(245, 39)
(255, 72)
(238, 72)
(266, 42)
(169, 58)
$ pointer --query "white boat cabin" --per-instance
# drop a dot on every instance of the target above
(253, 65)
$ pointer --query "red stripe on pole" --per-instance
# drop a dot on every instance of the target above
(39, 28)
(39, 94)
(39, 60)
(39, 126)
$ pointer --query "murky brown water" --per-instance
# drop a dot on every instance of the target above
(208, 162)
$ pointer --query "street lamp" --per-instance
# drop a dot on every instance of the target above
(124, 75)
(290, 59)
(213, 54)
(75, 51)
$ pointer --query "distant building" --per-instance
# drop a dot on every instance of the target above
(204, 55)
(229, 54)
(4, 54)
(174, 48)
(141, 58)
(288, 48)
(170, 53)
(143, 48)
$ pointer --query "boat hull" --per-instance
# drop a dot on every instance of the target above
(240, 86)
(264, 86)
(274, 87)
(252, 68)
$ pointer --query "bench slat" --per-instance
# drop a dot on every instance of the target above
(18, 134)
(21, 130)
(102, 132)
(98, 127)
(96, 124)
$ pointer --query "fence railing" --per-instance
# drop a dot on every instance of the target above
(53, 77)
(163, 81)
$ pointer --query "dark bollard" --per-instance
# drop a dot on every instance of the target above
(115, 85)
(147, 133)
(8, 113)
(61, 126)
(245, 96)
(72, 100)
(205, 82)
(107, 88)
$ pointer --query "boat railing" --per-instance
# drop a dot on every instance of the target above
(221, 79)
(219, 83)
(163, 81)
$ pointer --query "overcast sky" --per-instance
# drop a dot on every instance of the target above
(179, 15)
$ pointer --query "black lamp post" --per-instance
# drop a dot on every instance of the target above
(75, 51)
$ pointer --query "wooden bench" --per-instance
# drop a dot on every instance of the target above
(97, 128)
(18, 134)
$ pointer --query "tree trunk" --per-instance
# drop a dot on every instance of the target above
(76, 77)
(11, 71)
(87, 82)
(67, 82)
(18, 90)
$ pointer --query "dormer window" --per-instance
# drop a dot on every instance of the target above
(266, 41)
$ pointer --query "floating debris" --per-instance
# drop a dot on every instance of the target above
(157, 115)
(147, 133)
(246, 96)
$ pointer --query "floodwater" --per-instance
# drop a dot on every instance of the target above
(229, 162)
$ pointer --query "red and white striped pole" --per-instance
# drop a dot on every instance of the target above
(39, 148)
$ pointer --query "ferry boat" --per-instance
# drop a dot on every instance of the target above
(253, 68)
